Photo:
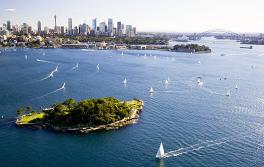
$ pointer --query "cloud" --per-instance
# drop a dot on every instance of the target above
(10, 10)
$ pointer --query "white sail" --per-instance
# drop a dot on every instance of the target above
(98, 67)
(160, 154)
(166, 82)
(125, 81)
(151, 90)
(228, 93)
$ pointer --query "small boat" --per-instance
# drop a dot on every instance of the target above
(63, 86)
(125, 81)
(26, 57)
(246, 47)
(160, 154)
(236, 87)
(151, 90)
(228, 93)
(98, 67)
(222, 55)
(200, 82)
(122, 53)
(166, 82)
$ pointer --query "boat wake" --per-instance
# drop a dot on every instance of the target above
(202, 145)
(45, 61)
(55, 91)
(75, 67)
(51, 74)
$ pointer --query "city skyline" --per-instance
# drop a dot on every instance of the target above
(158, 16)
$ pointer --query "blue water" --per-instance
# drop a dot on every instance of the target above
(201, 124)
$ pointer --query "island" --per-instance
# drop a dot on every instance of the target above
(191, 48)
(84, 116)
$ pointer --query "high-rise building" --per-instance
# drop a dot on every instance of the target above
(55, 25)
(39, 27)
(94, 25)
(102, 26)
(110, 25)
(119, 28)
(135, 31)
(24, 28)
(129, 31)
(46, 30)
(83, 29)
(70, 31)
(8, 25)
(62, 31)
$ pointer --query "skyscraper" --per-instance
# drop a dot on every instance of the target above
(94, 25)
(55, 26)
(110, 25)
(39, 27)
(70, 26)
(119, 28)
(8, 25)
(129, 30)
(102, 27)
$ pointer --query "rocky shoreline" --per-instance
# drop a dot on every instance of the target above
(85, 129)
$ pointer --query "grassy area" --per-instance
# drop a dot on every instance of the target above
(31, 117)
(136, 104)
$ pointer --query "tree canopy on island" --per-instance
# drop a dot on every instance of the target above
(89, 112)
(192, 47)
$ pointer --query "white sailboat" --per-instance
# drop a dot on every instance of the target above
(122, 53)
(166, 82)
(63, 86)
(125, 81)
(98, 67)
(160, 154)
(200, 83)
(228, 93)
(26, 57)
(151, 90)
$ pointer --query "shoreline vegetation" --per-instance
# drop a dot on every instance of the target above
(191, 48)
(99, 43)
(82, 117)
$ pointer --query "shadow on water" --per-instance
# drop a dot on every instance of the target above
(160, 162)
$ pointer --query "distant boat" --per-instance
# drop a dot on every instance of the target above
(26, 57)
(236, 87)
(228, 93)
(63, 86)
(246, 47)
(122, 53)
(125, 81)
(222, 55)
(145, 55)
(160, 154)
(200, 82)
(151, 90)
(166, 82)
(98, 67)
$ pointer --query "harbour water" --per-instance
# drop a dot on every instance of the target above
(198, 124)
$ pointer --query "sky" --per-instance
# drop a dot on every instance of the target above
(146, 15)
